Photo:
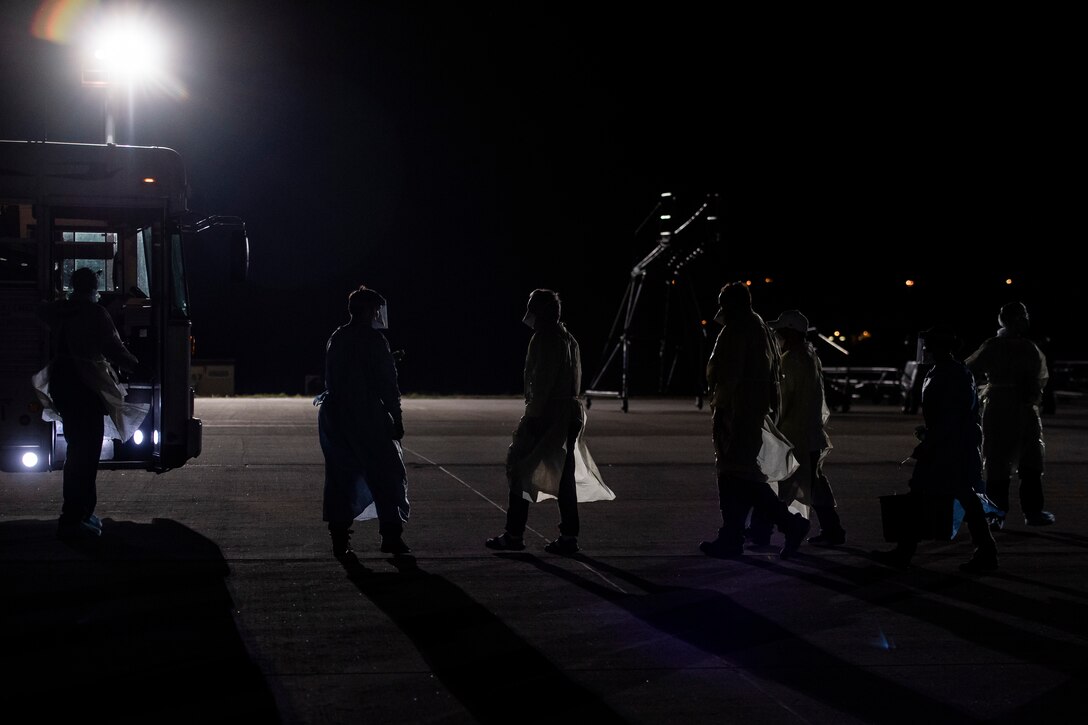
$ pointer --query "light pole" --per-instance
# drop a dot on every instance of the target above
(123, 51)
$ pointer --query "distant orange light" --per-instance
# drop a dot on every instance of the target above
(702, 322)
(767, 280)
(909, 283)
(149, 179)
(747, 283)
(1008, 280)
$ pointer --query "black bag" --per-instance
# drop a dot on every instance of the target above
(918, 517)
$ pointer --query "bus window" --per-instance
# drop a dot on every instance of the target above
(179, 296)
(95, 250)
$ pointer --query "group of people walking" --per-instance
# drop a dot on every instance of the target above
(769, 432)
(769, 427)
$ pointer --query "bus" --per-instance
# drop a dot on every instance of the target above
(124, 212)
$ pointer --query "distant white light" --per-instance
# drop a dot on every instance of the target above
(138, 437)
(30, 459)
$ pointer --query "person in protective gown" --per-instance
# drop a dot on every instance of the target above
(803, 420)
(744, 378)
(360, 427)
(82, 393)
(548, 456)
(1014, 372)
(948, 461)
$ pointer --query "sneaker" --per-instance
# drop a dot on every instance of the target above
(394, 545)
(564, 546)
(980, 563)
(721, 550)
(72, 530)
(829, 538)
(94, 521)
(505, 542)
(798, 528)
(1039, 518)
(894, 558)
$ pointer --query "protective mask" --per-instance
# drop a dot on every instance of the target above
(381, 320)
(529, 320)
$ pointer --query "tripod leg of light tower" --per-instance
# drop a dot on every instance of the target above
(622, 345)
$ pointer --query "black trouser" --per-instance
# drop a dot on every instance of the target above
(517, 511)
(737, 497)
(81, 411)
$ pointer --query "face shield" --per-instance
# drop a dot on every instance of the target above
(381, 318)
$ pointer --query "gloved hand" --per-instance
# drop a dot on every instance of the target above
(398, 428)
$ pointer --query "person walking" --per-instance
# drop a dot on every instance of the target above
(948, 461)
(803, 420)
(360, 426)
(1014, 374)
(84, 338)
(548, 449)
(744, 379)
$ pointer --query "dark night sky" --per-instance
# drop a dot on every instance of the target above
(454, 159)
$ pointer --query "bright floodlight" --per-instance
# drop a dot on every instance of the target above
(30, 459)
(138, 437)
(128, 50)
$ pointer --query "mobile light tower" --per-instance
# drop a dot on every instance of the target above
(621, 334)
(121, 53)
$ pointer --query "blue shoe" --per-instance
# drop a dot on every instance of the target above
(69, 530)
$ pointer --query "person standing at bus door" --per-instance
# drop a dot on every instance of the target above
(1014, 372)
(83, 335)
(744, 379)
(547, 447)
(948, 461)
(803, 421)
(360, 427)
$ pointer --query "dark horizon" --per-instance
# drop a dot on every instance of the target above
(455, 159)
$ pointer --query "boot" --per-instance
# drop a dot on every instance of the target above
(984, 560)
(831, 531)
(395, 545)
(341, 540)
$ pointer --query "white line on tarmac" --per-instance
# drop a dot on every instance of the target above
(479, 493)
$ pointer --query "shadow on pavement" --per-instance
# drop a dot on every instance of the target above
(492, 671)
(135, 626)
(714, 623)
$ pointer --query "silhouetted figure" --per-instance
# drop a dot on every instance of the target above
(360, 427)
(947, 460)
(84, 338)
(803, 421)
(541, 460)
(744, 377)
(1014, 372)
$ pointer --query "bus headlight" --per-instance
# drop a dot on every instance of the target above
(138, 437)
(30, 459)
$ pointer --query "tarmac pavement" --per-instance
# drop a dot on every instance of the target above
(213, 596)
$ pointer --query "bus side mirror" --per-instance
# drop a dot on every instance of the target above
(239, 255)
